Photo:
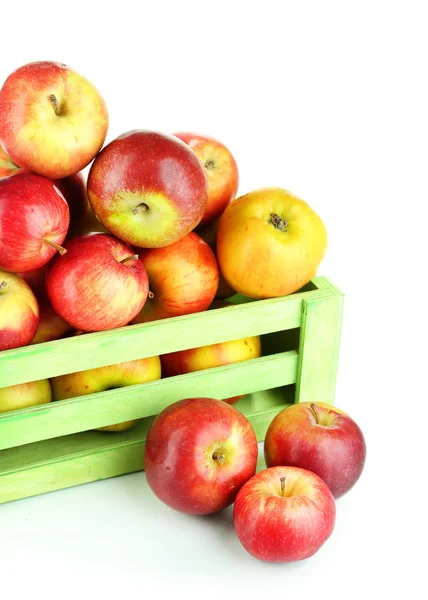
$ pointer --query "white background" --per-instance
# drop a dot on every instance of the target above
(327, 99)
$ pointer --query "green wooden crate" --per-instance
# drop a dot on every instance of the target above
(53, 446)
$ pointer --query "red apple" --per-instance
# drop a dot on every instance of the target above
(221, 169)
(7, 166)
(19, 312)
(209, 234)
(148, 189)
(321, 438)
(183, 279)
(199, 452)
(99, 284)
(34, 219)
(53, 121)
(284, 514)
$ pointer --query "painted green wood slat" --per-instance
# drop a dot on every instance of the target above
(124, 404)
(150, 339)
(319, 348)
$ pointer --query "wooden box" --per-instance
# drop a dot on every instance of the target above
(53, 446)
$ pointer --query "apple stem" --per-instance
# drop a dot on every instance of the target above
(3, 284)
(209, 164)
(131, 257)
(57, 247)
(151, 294)
(277, 222)
(140, 208)
(55, 104)
(282, 480)
(314, 412)
(218, 456)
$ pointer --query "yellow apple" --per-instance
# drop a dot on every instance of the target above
(24, 395)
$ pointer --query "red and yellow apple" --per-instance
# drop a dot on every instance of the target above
(100, 283)
(183, 279)
(270, 243)
(34, 219)
(19, 312)
(25, 395)
(53, 121)
(107, 378)
(321, 438)
(209, 234)
(221, 169)
(7, 166)
(207, 357)
(284, 514)
(148, 189)
(199, 452)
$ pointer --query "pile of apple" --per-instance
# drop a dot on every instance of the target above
(156, 232)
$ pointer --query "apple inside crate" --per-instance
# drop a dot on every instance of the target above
(54, 446)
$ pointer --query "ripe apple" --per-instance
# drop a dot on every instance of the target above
(7, 166)
(321, 438)
(34, 219)
(183, 279)
(270, 243)
(199, 452)
(209, 234)
(284, 514)
(19, 312)
(107, 378)
(148, 189)
(24, 395)
(99, 284)
(221, 170)
(214, 355)
(53, 121)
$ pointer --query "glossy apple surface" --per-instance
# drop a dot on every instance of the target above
(107, 378)
(148, 189)
(99, 284)
(19, 312)
(24, 395)
(183, 279)
(221, 169)
(199, 452)
(284, 514)
(321, 438)
(34, 219)
(53, 121)
(270, 243)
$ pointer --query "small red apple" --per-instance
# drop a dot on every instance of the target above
(53, 120)
(221, 169)
(183, 279)
(284, 514)
(19, 312)
(148, 189)
(199, 452)
(34, 219)
(99, 284)
(321, 438)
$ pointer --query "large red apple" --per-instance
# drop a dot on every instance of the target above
(321, 438)
(221, 169)
(99, 284)
(53, 120)
(148, 189)
(199, 452)
(183, 279)
(284, 514)
(34, 219)
(19, 312)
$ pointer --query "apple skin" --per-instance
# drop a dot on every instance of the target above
(106, 378)
(199, 452)
(19, 312)
(221, 169)
(284, 514)
(321, 438)
(38, 139)
(24, 395)
(33, 216)
(214, 355)
(7, 166)
(270, 243)
(183, 278)
(91, 289)
(148, 189)
(209, 234)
